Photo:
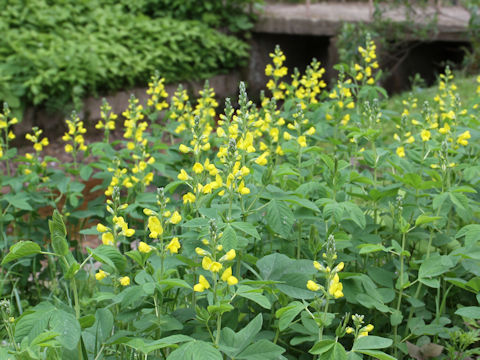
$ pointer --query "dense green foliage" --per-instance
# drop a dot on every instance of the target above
(322, 224)
(58, 51)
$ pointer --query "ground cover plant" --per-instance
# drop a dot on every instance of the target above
(317, 224)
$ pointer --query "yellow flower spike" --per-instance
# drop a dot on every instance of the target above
(313, 286)
(197, 168)
(144, 247)
(176, 218)
(335, 287)
(174, 245)
(102, 228)
(124, 281)
(100, 275)
(107, 238)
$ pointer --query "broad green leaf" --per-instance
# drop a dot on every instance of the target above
(254, 295)
(246, 228)
(58, 233)
(261, 350)
(371, 342)
(380, 355)
(68, 327)
(470, 312)
(196, 350)
(21, 249)
(435, 266)
(18, 201)
(322, 347)
(288, 313)
(426, 219)
(337, 352)
(171, 283)
(229, 238)
(279, 217)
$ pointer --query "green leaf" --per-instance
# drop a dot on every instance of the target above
(288, 313)
(196, 350)
(370, 248)
(376, 354)
(68, 327)
(18, 201)
(337, 352)
(197, 222)
(322, 347)
(85, 172)
(58, 233)
(426, 219)
(171, 283)
(470, 312)
(45, 339)
(435, 266)
(279, 217)
(229, 238)
(246, 228)
(109, 255)
(21, 249)
(254, 295)
(371, 342)
(261, 350)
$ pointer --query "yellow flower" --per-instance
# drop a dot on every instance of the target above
(100, 275)
(242, 189)
(287, 136)
(262, 159)
(445, 129)
(313, 286)
(335, 287)
(184, 149)
(410, 140)
(230, 255)
(107, 238)
(173, 245)
(201, 251)
(176, 218)
(144, 247)
(401, 151)
(183, 175)
(202, 284)
(215, 267)
(128, 232)
(124, 281)
(425, 135)
(197, 168)
(206, 263)
(228, 278)
(302, 141)
(155, 227)
(102, 228)
(349, 330)
(463, 138)
(68, 148)
(188, 198)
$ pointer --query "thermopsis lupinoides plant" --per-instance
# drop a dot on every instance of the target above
(317, 224)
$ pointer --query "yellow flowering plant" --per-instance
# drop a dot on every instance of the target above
(253, 231)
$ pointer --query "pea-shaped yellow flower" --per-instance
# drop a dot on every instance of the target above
(173, 246)
(202, 284)
(313, 286)
(176, 218)
(197, 168)
(100, 275)
(124, 281)
(144, 247)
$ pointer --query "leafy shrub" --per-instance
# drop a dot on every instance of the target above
(58, 51)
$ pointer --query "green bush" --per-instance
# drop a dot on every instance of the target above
(55, 52)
